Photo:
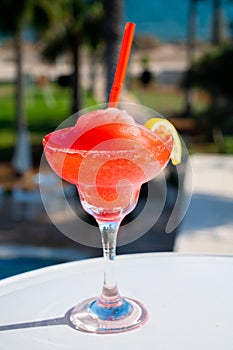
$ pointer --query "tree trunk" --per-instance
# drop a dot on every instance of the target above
(93, 73)
(112, 33)
(76, 91)
(19, 83)
(22, 157)
(217, 23)
(191, 42)
(192, 28)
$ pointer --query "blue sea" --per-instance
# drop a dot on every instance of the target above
(167, 19)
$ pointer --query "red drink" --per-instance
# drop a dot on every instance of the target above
(107, 161)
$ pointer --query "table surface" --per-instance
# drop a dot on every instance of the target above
(189, 298)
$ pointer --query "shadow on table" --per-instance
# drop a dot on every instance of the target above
(58, 321)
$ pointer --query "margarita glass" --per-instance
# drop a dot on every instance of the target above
(108, 156)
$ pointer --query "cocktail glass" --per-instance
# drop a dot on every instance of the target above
(108, 164)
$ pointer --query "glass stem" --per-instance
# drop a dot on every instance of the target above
(110, 296)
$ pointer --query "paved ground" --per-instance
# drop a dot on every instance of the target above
(208, 224)
(19, 225)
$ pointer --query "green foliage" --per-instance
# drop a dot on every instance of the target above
(44, 114)
(165, 102)
(228, 145)
(213, 72)
(93, 28)
(12, 15)
(80, 20)
(43, 15)
(16, 15)
(46, 107)
(144, 60)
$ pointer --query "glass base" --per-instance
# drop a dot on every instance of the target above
(91, 317)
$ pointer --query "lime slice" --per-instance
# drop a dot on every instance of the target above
(164, 128)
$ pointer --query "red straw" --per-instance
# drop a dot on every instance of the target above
(122, 64)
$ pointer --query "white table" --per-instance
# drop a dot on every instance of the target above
(190, 300)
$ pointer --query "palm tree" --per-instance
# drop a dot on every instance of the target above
(113, 25)
(78, 15)
(192, 29)
(94, 39)
(191, 43)
(191, 46)
(217, 23)
(14, 16)
(213, 73)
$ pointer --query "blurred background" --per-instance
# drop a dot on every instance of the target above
(59, 57)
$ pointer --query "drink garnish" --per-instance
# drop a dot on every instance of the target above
(163, 128)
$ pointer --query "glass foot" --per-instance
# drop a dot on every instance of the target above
(91, 317)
